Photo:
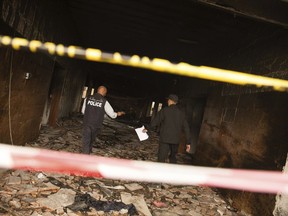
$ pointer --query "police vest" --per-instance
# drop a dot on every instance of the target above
(94, 111)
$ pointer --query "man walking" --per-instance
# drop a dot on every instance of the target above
(94, 109)
(171, 122)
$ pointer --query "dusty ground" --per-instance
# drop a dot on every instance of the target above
(40, 193)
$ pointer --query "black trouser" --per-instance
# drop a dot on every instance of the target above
(163, 151)
(89, 135)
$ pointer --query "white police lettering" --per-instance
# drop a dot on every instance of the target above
(95, 103)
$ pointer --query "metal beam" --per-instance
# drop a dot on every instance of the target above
(271, 11)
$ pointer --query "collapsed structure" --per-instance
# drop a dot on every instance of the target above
(233, 126)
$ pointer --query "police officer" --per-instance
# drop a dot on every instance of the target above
(94, 109)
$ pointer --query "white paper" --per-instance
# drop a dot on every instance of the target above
(141, 135)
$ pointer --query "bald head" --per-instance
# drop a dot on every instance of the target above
(102, 90)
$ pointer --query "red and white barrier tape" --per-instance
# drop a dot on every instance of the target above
(25, 158)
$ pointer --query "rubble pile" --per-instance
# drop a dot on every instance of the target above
(46, 194)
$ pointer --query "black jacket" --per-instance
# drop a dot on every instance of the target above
(171, 121)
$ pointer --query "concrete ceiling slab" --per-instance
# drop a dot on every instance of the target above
(199, 32)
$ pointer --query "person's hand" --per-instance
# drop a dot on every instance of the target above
(144, 130)
(188, 148)
(120, 113)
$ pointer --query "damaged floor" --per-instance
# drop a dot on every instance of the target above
(45, 194)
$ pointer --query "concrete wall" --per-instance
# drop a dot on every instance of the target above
(27, 97)
(246, 127)
(45, 21)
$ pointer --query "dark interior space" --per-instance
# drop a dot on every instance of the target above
(182, 31)
(232, 126)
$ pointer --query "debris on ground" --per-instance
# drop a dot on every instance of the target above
(27, 193)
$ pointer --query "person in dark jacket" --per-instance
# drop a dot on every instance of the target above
(171, 121)
(94, 109)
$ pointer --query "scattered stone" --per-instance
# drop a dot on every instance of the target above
(28, 199)
(133, 186)
(40, 176)
(62, 198)
(15, 203)
(14, 180)
(164, 213)
(106, 191)
(48, 214)
(32, 190)
(138, 201)
(45, 194)
(168, 194)
(184, 195)
(118, 187)
(221, 210)
(231, 208)
(60, 211)
(35, 213)
(194, 213)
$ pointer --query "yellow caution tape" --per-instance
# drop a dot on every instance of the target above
(156, 64)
